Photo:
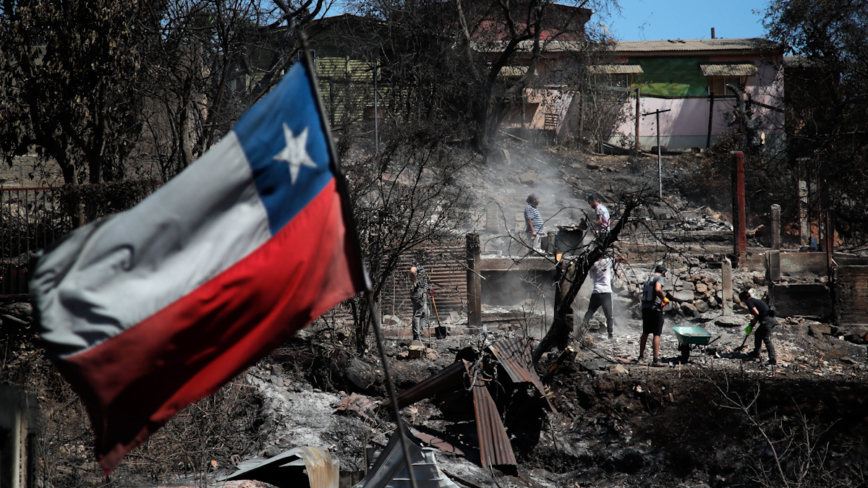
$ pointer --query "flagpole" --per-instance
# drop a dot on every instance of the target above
(341, 183)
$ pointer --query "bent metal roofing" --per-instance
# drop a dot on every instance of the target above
(747, 45)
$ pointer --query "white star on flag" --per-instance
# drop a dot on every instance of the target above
(295, 153)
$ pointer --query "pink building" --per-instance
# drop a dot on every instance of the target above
(688, 78)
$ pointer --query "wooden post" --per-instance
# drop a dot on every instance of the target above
(726, 277)
(776, 226)
(474, 282)
(738, 214)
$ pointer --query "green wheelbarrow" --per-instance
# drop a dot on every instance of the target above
(690, 337)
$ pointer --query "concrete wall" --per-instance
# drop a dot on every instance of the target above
(808, 299)
(851, 290)
(803, 264)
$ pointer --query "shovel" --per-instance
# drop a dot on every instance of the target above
(747, 331)
(431, 294)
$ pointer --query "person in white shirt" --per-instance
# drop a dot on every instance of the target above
(601, 225)
(601, 274)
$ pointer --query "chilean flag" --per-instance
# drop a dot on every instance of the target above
(152, 309)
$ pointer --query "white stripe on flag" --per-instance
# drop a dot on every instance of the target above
(110, 275)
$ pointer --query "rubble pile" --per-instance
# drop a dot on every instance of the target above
(702, 223)
(692, 291)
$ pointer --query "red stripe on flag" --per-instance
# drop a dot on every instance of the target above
(135, 382)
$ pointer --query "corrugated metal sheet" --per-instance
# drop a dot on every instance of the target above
(447, 379)
(289, 468)
(729, 69)
(447, 276)
(515, 355)
(323, 468)
(390, 471)
(494, 446)
(389, 463)
(751, 45)
(615, 69)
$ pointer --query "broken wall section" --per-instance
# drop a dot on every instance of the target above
(851, 295)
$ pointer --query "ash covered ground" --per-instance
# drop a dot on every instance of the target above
(721, 419)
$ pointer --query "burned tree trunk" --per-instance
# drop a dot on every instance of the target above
(575, 273)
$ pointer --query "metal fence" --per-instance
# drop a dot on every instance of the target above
(34, 218)
(30, 219)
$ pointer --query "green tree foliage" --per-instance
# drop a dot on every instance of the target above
(827, 99)
(68, 84)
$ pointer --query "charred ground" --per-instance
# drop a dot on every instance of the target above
(720, 421)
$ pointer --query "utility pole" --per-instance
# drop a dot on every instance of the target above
(659, 158)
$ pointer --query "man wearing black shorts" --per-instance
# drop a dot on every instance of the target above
(653, 301)
(763, 315)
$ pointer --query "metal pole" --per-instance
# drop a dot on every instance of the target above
(390, 388)
(710, 118)
(659, 157)
(659, 160)
(376, 113)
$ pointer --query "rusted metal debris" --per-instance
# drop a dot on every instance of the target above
(494, 446)
(436, 442)
(448, 379)
(388, 469)
(319, 468)
(359, 404)
(515, 356)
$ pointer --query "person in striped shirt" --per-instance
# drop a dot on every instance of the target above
(534, 228)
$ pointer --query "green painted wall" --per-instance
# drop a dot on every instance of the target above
(671, 77)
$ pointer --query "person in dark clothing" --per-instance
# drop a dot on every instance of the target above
(653, 301)
(419, 301)
(764, 315)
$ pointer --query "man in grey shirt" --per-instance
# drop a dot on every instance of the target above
(419, 300)
(534, 221)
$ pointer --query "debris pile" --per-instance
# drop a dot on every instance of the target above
(692, 291)
(702, 223)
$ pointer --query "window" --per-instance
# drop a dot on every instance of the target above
(717, 84)
(614, 75)
(619, 81)
(721, 74)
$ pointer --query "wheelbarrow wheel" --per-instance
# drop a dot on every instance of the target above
(685, 353)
